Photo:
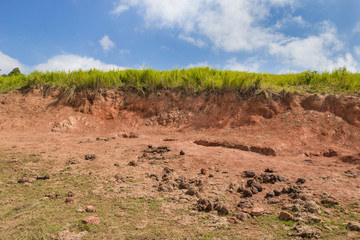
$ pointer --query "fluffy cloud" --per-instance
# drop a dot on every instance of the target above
(197, 42)
(199, 64)
(69, 62)
(233, 65)
(8, 63)
(106, 43)
(321, 52)
(238, 26)
(357, 28)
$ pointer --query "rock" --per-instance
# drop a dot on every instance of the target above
(241, 188)
(301, 180)
(330, 153)
(353, 226)
(277, 193)
(191, 191)
(305, 231)
(280, 178)
(247, 193)
(273, 201)
(67, 235)
(249, 174)
(257, 211)
(94, 220)
(285, 190)
(90, 208)
(257, 186)
(314, 219)
(254, 190)
(203, 171)
(69, 200)
(245, 204)
(269, 195)
(150, 146)
(312, 207)
(90, 157)
(182, 153)
(273, 178)
(233, 220)
(243, 216)
(222, 210)
(269, 170)
(116, 164)
(330, 201)
(70, 194)
(286, 216)
(204, 205)
(26, 179)
(47, 176)
(132, 163)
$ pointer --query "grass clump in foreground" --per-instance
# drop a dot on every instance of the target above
(194, 79)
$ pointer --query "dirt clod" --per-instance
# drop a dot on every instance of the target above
(90, 157)
(286, 216)
(353, 226)
(93, 220)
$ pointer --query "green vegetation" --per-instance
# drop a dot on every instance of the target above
(195, 80)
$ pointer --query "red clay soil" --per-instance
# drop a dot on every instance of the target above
(314, 137)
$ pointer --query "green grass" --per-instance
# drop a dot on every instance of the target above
(194, 80)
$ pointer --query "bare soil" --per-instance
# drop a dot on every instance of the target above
(191, 151)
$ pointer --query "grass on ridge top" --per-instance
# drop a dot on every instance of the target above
(194, 79)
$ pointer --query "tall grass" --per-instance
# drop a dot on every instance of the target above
(194, 79)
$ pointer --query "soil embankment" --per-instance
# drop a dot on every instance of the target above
(212, 153)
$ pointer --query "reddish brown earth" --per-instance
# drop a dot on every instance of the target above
(223, 134)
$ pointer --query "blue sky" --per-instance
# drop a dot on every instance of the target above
(275, 36)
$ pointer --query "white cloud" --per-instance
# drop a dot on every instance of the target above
(120, 9)
(357, 28)
(318, 52)
(8, 63)
(199, 64)
(106, 43)
(69, 62)
(357, 51)
(233, 65)
(238, 26)
(197, 42)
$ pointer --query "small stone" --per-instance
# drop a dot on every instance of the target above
(191, 191)
(223, 210)
(69, 200)
(285, 216)
(243, 216)
(132, 163)
(70, 194)
(277, 193)
(301, 180)
(116, 164)
(257, 211)
(47, 176)
(203, 171)
(90, 208)
(233, 220)
(269, 195)
(269, 170)
(241, 188)
(150, 146)
(247, 193)
(312, 207)
(245, 204)
(249, 174)
(182, 153)
(254, 190)
(90, 157)
(330, 153)
(353, 226)
(211, 175)
(94, 220)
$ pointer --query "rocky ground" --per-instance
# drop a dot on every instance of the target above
(115, 166)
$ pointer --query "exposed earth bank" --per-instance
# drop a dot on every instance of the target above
(224, 155)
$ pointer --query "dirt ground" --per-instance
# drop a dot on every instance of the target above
(211, 164)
